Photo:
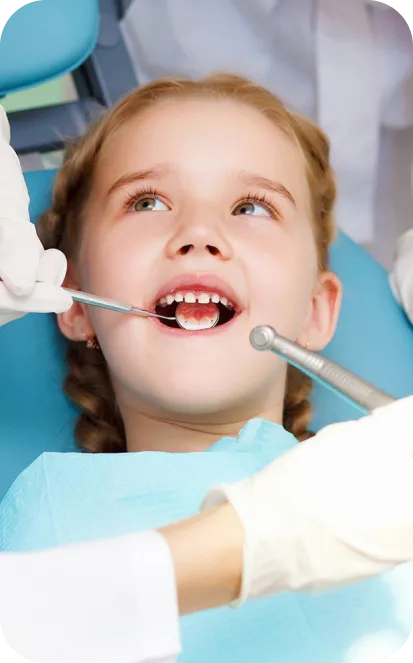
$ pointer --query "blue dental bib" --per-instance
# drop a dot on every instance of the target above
(67, 498)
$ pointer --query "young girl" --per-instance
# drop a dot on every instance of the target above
(148, 206)
(210, 201)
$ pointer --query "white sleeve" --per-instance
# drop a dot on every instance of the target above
(111, 601)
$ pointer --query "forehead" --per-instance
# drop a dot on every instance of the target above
(203, 137)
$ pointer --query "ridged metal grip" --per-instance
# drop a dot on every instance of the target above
(360, 393)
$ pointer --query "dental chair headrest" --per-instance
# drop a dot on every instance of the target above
(43, 40)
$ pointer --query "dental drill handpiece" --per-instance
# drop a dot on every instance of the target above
(358, 392)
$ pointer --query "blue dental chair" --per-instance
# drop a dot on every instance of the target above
(374, 339)
(48, 39)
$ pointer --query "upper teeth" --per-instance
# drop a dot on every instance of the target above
(192, 297)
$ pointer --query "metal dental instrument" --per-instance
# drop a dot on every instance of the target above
(351, 388)
(102, 302)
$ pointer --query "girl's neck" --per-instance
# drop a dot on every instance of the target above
(148, 433)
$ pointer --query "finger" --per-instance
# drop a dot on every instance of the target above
(394, 285)
(402, 279)
(45, 298)
(20, 251)
(14, 197)
(52, 267)
(404, 244)
(4, 125)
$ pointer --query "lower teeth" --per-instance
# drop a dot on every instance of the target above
(196, 317)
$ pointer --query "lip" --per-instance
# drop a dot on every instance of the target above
(198, 283)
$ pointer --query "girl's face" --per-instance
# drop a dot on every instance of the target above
(200, 196)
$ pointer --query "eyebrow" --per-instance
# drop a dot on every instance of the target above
(252, 179)
(151, 174)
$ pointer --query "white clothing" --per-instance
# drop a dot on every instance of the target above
(348, 65)
(111, 601)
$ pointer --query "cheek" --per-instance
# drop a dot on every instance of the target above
(284, 282)
(110, 268)
(114, 267)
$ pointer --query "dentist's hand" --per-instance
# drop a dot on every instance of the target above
(23, 261)
(401, 276)
(336, 509)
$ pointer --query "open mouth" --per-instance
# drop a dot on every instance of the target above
(196, 310)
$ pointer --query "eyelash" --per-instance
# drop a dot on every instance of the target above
(261, 199)
(143, 192)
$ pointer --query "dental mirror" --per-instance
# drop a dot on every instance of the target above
(206, 316)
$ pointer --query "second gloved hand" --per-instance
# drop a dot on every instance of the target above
(336, 509)
(401, 276)
(23, 261)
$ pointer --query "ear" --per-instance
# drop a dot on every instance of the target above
(75, 323)
(322, 318)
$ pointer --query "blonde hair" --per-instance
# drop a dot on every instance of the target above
(88, 384)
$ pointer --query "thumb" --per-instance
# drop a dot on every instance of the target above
(52, 267)
(20, 251)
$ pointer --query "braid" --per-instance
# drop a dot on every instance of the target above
(99, 428)
(297, 407)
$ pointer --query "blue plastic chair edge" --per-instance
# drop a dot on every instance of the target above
(62, 72)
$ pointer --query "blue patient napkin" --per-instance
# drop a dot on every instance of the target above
(66, 498)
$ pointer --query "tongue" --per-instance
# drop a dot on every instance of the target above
(197, 316)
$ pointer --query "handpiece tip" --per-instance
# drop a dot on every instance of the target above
(262, 337)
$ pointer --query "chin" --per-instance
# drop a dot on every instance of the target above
(176, 393)
(191, 380)
(201, 387)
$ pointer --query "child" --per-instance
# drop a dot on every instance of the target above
(148, 209)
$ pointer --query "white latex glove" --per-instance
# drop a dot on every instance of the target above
(401, 278)
(23, 261)
(336, 509)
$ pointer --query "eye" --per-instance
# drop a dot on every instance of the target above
(250, 208)
(149, 204)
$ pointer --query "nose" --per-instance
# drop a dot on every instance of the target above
(199, 237)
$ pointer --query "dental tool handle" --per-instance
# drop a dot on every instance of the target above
(358, 392)
(102, 302)
(93, 300)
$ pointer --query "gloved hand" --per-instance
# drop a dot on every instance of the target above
(401, 277)
(23, 261)
(336, 509)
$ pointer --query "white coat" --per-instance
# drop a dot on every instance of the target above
(348, 65)
(111, 601)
